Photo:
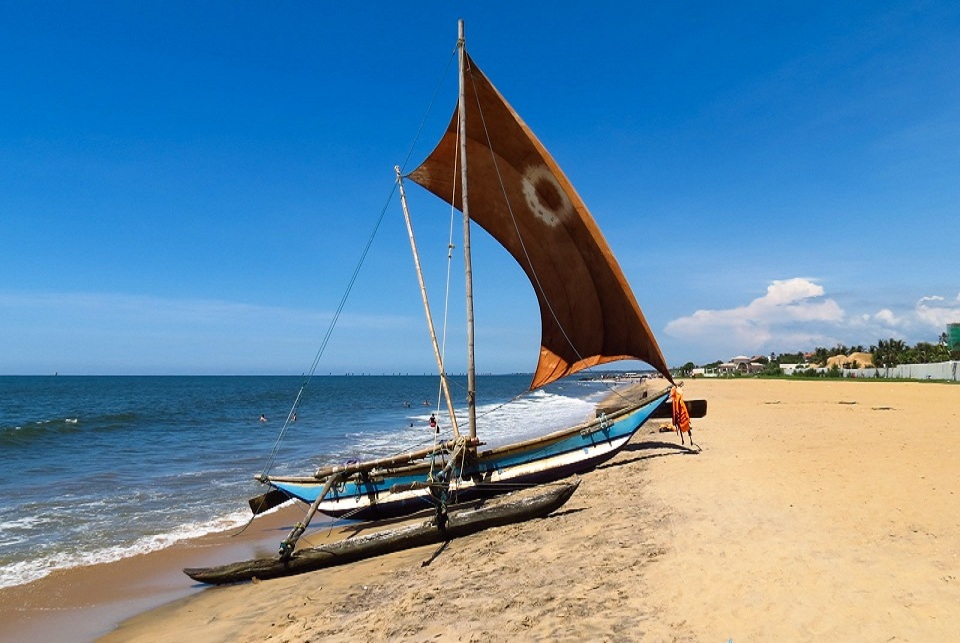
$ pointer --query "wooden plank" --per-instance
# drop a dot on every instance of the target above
(696, 408)
(268, 501)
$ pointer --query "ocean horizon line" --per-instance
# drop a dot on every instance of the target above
(327, 374)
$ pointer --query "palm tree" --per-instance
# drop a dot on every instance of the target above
(889, 352)
(879, 353)
(925, 352)
(898, 349)
(820, 356)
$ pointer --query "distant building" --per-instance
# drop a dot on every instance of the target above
(953, 337)
(740, 364)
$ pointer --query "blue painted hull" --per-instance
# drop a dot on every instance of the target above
(387, 493)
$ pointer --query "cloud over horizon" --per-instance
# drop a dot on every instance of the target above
(797, 314)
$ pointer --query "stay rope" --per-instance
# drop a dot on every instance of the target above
(291, 415)
(446, 301)
(523, 245)
(513, 219)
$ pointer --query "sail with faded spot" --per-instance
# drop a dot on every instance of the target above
(519, 195)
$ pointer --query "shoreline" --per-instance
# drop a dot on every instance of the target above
(88, 602)
(816, 509)
(84, 602)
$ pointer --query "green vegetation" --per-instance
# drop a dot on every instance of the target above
(889, 352)
(886, 353)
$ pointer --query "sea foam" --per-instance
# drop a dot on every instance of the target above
(26, 571)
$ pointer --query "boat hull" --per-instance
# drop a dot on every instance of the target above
(400, 491)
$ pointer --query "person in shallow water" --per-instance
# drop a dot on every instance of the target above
(433, 423)
(263, 418)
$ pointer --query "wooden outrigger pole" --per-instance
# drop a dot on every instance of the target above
(290, 542)
(426, 305)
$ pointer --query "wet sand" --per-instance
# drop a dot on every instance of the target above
(83, 603)
(822, 510)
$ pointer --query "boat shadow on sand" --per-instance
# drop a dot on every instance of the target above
(652, 449)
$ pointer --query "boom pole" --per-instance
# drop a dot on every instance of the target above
(426, 306)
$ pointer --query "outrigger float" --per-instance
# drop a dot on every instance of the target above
(459, 521)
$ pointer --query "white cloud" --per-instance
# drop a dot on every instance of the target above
(887, 317)
(936, 313)
(797, 314)
(774, 317)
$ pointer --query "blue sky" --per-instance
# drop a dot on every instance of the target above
(188, 187)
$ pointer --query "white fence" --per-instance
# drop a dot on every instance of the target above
(949, 371)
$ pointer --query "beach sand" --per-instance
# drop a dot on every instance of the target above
(815, 510)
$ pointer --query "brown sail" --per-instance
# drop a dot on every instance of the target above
(519, 195)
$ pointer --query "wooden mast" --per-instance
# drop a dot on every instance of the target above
(467, 262)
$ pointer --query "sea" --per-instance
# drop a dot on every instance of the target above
(98, 468)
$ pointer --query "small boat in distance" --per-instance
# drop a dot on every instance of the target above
(489, 165)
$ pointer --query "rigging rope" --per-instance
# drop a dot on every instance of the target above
(271, 459)
(523, 245)
(326, 338)
(513, 219)
(433, 100)
(446, 297)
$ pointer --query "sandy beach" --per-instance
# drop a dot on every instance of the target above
(815, 510)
